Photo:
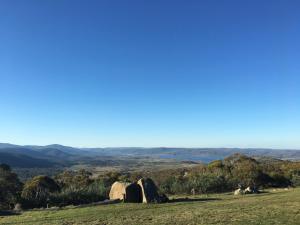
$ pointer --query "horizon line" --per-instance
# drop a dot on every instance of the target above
(77, 147)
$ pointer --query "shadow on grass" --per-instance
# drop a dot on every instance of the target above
(262, 192)
(8, 213)
(193, 200)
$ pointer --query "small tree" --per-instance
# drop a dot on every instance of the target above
(74, 180)
(10, 187)
(207, 183)
(243, 171)
(36, 191)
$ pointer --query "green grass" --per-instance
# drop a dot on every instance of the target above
(278, 207)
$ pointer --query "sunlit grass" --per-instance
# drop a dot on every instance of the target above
(279, 207)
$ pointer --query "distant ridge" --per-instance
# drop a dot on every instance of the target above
(23, 161)
(55, 154)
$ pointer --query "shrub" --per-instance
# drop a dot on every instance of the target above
(36, 191)
(295, 180)
(10, 187)
(74, 180)
(207, 183)
(94, 192)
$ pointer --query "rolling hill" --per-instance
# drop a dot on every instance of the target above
(24, 161)
(53, 155)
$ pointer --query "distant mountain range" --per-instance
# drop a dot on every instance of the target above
(31, 156)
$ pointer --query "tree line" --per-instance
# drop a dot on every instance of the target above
(80, 187)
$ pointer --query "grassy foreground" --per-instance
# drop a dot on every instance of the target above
(274, 207)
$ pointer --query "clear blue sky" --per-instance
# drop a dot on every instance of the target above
(209, 73)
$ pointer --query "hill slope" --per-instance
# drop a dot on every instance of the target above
(281, 207)
(24, 161)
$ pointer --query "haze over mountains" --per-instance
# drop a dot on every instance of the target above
(31, 156)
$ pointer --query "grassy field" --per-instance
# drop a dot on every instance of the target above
(273, 207)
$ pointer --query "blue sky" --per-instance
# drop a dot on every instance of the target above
(150, 73)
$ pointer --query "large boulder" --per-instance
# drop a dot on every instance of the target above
(118, 190)
(133, 193)
(251, 190)
(127, 192)
(18, 207)
(248, 190)
(238, 192)
(150, 192)
(142, 191)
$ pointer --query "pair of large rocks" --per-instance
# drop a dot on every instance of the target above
(142, 191)
(248, 190)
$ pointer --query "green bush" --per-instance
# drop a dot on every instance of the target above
(10, 187)
(207, 183)
(175, 185)
(77, 197)
(36, 191)
(295, 180)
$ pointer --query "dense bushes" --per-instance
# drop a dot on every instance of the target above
(174, 185)
(197, 183)
(228, 174)
(295, 178)
(74, 180)
(67, 188)
(208, 183)
(95, 191)
(36, 191)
